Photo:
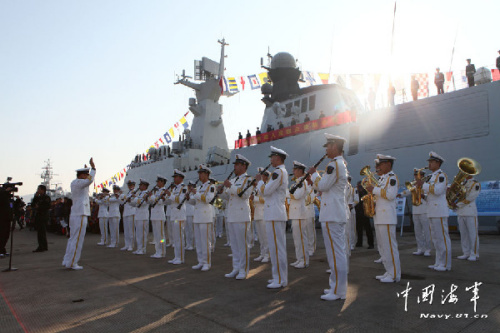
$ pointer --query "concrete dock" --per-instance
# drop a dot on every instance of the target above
(121, 292)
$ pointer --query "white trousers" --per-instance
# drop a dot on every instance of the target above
(390, 253)
(202, 237)
(422, 232)
(260, 225)
(159, 237)
(353, 234)
(179, 244)
(213, 239)
(311, 234)
(334, 237)
(276, 238)
(240, 248)
(103, 227)
(219, 225)
(300, 240)
(78, 227)
(129, 231)
(379, 242)
(170, 232)
(347, 233)
(141, 234)
(442, 242)
(189, 231)
(114, 231)
(468, 235)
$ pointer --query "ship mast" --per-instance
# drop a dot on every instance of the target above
(47, 174)
(222, 56)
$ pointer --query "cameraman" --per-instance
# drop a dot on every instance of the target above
(41, 204)
(5, 217)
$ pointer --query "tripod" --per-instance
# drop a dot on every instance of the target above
(12, 227)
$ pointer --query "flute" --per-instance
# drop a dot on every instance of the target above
(253, 181)
(301, 181)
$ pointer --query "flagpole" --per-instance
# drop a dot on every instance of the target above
(451, 61)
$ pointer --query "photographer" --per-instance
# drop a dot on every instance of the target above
(41, 204)
(5, 216)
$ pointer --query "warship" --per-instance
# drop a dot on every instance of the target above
(462, 123)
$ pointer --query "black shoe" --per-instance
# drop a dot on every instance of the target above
(370, 247)
(359, 245)
(39, 250)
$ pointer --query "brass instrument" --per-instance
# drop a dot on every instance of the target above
(317, 202)
(416, 192)
(368, 199)
(457, 191)
(218, 203)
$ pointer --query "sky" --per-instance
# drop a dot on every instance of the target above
(95, 78)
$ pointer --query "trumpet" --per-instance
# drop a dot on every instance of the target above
(416, 192)
(368, 199)
(457, 191)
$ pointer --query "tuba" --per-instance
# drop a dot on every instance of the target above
(416, 192)
(368, 199)
(457, 192)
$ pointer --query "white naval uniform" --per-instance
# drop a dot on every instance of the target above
(178, 218)
(189, 229)
(421, 226)
(102, 215)
(114, 220)
(169, 231)
(141, 221)
(158, 222)
(203, 219)
(238, 223)
(298, 214)
(467, 220)
(80, 211)
(128, 220)
(333, 218)
(353, 201)
(275, 216)
(438, 212)
(258, 217)
(347, 196)
(311, 220)
(385, 221)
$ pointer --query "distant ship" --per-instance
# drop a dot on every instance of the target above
(456, 124)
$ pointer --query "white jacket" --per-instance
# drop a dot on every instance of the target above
(142, 212)
(114, 206)
(275, 195)
(103, 207)
(416, 210)
(258, 201)
(203, 210)
(332, 186)
(385, 199)
(80, 195)
(310, 212)
(128, 209)
(238, 208)
(468, 206)
(297, 209)
(158, 211)
(176, 197)
(435, 188)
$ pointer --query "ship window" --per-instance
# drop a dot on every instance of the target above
(304, 105)
(288, 112)
(312, 102)
(297, 103)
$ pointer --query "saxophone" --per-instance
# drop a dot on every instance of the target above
(368, 199)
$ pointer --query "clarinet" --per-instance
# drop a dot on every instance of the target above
(179, 206)
(253, 181)
(144, 198)
(296, 185)
(221, 189)
(133, 194)
(162, 194)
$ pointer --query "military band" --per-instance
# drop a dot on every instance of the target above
(263, 200)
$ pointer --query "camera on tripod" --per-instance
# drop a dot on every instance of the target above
(10, 187)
